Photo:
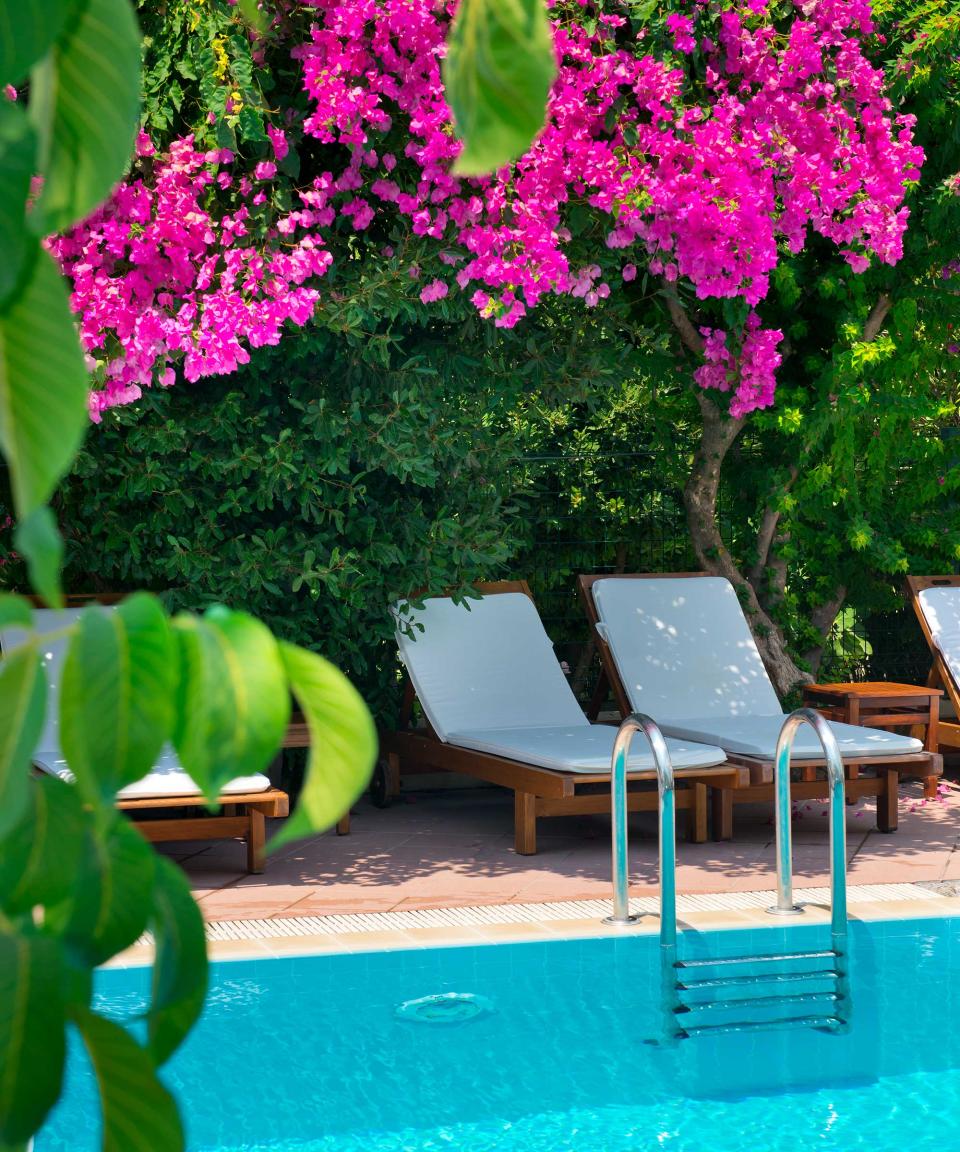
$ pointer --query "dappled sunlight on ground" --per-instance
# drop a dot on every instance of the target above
(443, 848)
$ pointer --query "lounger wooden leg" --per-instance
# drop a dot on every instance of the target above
(887, 810)
(930, 787)
(393, 774)
(343, 825)
(525, 823)
(256, 839)
(698, 814)
(722, 813)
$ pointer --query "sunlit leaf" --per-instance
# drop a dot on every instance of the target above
(498, 71)
(27, 30)
(38, 863)
(32, 1041)
(180, 964)
(85, 103)
(114, 892)
(23, 690)
(343, 743)
(233, 702)
(39, 542)
(15, 611)
(43, 397)
(139, 1114)
(116, 698)
(18, 155)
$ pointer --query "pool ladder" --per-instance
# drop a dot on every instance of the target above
(812, 986)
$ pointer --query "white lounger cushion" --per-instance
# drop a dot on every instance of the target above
(487, 679)
(687, 658)
(580, 749)
(487, 665)
(757, 736)
(941, 610)
(166, 779)
(683, 647)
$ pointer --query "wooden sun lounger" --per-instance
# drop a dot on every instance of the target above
(241, 815)
(883, 784)
(948, 731)
(540, 792)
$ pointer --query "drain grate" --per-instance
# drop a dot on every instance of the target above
(445, 1008)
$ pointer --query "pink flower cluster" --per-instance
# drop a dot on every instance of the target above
(752, 374)
(157, 275)
(797, 135)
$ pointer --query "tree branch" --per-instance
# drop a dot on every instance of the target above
(689, 335)
(876, 318)
(822, 618)
(768, 530)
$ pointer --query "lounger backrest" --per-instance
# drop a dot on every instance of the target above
(941, 610)
(489, 665)
(47, 620)
(683, 647)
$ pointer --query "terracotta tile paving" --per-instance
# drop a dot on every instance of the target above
(449, 848)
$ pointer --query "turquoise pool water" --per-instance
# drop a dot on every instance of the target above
(310, 1055)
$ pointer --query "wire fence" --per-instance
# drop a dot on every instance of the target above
(610, 513)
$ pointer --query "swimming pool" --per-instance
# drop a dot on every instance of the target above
(310, 1054)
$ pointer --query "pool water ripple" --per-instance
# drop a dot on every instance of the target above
(308, 1054)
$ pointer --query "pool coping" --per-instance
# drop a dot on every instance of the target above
(448, 927)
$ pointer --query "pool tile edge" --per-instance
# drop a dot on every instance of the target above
(279, 944)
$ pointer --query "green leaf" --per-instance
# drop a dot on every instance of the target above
(27, 32)
(498, 71)
(43, 387)
(343, 743)
(32, 1033)
(233, 704)
(114, 892)
(180, 964)
(23, 691)
(18, 152)
(15, 611)
(250, 11)
(86, 108)
(38, 540)
(116, 697)
(38, 864)
(139, 1114)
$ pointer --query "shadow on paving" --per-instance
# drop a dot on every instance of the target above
(456, 847)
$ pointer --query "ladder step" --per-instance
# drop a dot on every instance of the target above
(762, 1001)
(761, 978)
(830, 1022)
(765, 959)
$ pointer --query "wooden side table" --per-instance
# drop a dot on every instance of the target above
(881, 704)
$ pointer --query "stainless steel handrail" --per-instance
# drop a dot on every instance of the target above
(638, 722)
(785, 905)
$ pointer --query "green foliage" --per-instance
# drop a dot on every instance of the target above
(84, 104)
(78, 883)
(497, 74)
(340, 731)
(43, 385)
(354, 485)
(22, 691)
(116, 694)
(234, 700)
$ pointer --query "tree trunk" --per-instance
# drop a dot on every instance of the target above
(822, 619)
(700, 500)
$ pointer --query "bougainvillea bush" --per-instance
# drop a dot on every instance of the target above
(699, 147)
(734, 191)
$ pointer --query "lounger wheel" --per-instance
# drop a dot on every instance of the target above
(380, 786)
